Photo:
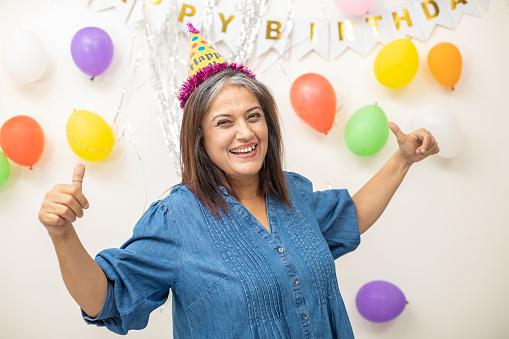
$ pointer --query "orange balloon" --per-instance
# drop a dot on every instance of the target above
(22, 140)
(444, 61)
(314, 100)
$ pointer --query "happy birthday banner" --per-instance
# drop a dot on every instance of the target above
(326, 36)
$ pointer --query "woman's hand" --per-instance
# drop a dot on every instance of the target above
(63, 204)
(415, 146)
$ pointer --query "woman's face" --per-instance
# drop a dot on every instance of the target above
(235, 133)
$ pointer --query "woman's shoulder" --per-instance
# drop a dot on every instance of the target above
(179, 196)
(298, 181)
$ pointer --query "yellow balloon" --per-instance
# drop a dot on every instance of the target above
(396, 64)
(89, 136)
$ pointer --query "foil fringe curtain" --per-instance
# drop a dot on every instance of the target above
(168, 66)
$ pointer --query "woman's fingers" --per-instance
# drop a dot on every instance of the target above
(77, 184)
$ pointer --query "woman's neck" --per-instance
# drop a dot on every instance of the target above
(248, 190)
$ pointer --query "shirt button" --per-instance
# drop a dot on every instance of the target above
(296, 281)
(305, 316)
(281, 249)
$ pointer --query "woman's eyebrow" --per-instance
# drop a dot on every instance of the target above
(253, 108)
(223, 115)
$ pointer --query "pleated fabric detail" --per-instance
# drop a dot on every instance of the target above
(261, 287)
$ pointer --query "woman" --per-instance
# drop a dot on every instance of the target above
(247, 250)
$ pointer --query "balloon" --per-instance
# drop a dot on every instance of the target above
(355, 7)
(314, 100)
(444, 126)
(380, 301)
(366, 132)
(89, 136)
(396, 64)
(22, 140)
(444, 61)
(5, 168)
(92, 50)
(24, 56)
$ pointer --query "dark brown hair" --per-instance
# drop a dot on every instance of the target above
(199, 173)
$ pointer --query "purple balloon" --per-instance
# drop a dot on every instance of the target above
(380, 301)
(92, 50)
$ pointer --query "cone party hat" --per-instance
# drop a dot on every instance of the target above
(204, 62)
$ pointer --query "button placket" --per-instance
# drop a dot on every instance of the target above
(297, 289)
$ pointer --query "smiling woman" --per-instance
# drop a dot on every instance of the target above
(228, 113)
(246, 249)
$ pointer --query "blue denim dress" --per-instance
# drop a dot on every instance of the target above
(231, 277)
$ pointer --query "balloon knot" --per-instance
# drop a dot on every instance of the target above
(92, 78)
(452, 88)
(31, 168)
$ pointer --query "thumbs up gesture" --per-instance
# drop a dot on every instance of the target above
(63, 204)
(415, 146)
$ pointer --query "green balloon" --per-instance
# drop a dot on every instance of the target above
(366, 131)
(5, 168)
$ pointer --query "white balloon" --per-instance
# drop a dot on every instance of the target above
(444, 126)
(24, 57)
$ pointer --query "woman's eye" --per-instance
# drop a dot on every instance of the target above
(223, 122)
(254, 116)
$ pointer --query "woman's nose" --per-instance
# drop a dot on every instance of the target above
(244, 131)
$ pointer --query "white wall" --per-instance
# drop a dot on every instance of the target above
(442, 240)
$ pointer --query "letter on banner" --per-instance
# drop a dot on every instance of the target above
(225, 22)
(348, 33)
(455, 2)
(271, 29)
(458, 7)
(275, 36)
(187, 10)
(312, 34)
(373, 21)
(425, 8)
(398, 19)
(345, 29)
(430, 13)
(190, 11)
(404, 24)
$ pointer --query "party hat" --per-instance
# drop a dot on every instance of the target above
(204, 62)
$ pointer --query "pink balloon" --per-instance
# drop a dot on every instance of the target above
(355, 7)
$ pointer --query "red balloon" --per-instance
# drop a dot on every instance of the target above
(22, 140)
(314, 100)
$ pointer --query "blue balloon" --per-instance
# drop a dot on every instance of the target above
(380, 301)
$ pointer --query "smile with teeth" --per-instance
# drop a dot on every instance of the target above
(244, 150)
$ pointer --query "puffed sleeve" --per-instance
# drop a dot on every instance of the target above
(140, 272)
(335, 213)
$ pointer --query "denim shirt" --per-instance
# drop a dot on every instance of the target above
(230, 277)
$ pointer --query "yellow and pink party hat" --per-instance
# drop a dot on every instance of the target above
(204, 62)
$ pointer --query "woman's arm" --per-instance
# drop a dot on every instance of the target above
(372, 199)
(83, 278)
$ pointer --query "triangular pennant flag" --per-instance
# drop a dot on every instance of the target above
(312, 34)
(227, 24)
(485, 4)
(458, 9)
(429, 14)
